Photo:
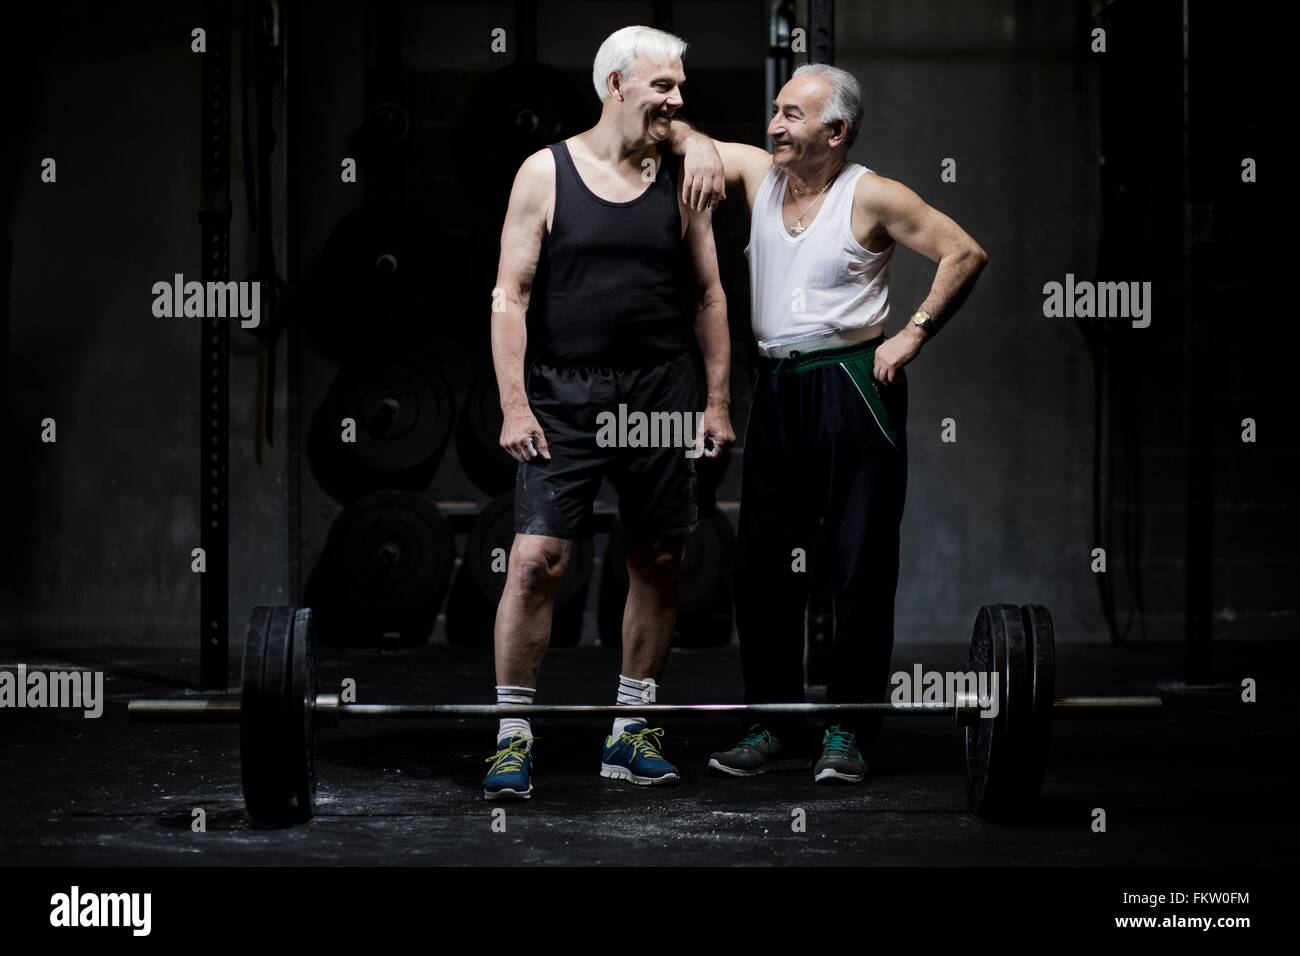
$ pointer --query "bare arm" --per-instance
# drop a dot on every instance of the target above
(710, 166)
(521, 243)
(711, 333)
(909, 221)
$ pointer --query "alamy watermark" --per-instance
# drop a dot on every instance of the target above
(75, 909)
(919, 688)
(634, 429)
(75, 690)
(209, 300)
(1098, 300)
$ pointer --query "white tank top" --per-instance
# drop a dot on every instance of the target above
(822, 280)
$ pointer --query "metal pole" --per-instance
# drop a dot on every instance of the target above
(1199, 418)
(227, 709)
(214, 356)
(821, 31)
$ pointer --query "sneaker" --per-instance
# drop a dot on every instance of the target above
(511, 774)
(758, 752)
(840, 759)
(635, 756)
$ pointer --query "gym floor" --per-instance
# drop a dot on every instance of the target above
(1207, 783)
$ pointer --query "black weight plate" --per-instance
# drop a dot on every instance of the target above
(393, 553)
(470, 619)
(277, 676)
(300, 750)
(512, 113)
(388, 124)
(254, 756)
(707, 555)
(268, 724)
(403, 412)
(1017, 693)
(997, 748)
(495, 528)
(1042, 666)
(612, 597)
(703, 586)
(980, 736)
(478, 439)
(375, 284)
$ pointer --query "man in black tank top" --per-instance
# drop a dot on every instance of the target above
(606, 285)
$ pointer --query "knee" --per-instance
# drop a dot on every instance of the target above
(660, 563)
(537, 568)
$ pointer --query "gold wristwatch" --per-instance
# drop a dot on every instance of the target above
(921, 319)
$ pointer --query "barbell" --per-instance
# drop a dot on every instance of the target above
(279, 711)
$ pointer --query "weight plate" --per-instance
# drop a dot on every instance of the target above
(394, 554)
(375, 286)
(300, 754)
(512, 113)
(1042, 666)
(997, 749)
(254, 761)
(703, 585)
(980, 735)
(1017, 693)
(388, 124)
(273, 768)
(403, 412)
(707, 555)
(478, 439)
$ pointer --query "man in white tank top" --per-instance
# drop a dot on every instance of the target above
(825, 454)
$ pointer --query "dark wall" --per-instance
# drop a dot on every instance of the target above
(1002, 513)
(1251, 517)
(100, 525)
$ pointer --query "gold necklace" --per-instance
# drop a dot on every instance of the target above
(798, 226)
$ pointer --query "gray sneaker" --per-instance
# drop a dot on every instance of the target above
(841, 760)
(758, 752)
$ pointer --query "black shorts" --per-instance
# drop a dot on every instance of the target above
(656, 485)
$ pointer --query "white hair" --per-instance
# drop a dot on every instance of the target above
(621, 48)
(845, 100)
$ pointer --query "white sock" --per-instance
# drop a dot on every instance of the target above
(631, 692)
(509, 726)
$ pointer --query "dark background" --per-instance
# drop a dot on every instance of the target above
(1071, 434)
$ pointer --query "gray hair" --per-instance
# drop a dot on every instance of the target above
(845, 100)
(621, 48)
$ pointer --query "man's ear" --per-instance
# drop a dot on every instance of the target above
(614, 83)
(841, 133)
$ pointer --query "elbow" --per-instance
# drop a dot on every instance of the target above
(711, 300)
(979, 257)
(510, 299)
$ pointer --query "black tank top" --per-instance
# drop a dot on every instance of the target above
(612, 282)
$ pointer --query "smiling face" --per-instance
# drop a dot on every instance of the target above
(652, 94)
(799, 138)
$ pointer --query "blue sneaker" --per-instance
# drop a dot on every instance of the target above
(511, 774)
(635, 756)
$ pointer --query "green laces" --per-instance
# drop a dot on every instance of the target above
(511, 759)
(838, 740)
(645, 742)
(755, 737)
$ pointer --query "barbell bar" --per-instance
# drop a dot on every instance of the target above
(279, 711)
(225, 709)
